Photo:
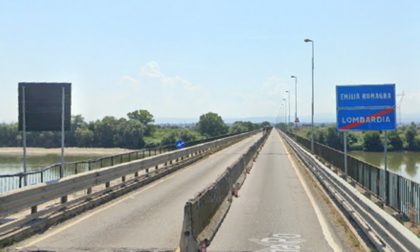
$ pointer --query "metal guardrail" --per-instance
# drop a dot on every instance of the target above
(403, 194)
(382, 230)
(9, 182)
(31, 196)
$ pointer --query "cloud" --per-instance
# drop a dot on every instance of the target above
(151, 70)
(129, 79)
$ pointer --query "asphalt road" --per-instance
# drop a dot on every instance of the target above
(273, 211)
(150, 217)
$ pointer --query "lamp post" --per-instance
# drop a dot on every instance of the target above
(312, 110)
(285, 112)
(288, 97)
(296, 118)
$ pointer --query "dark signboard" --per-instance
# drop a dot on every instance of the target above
(43, 106)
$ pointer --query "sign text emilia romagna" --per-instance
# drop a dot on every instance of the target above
(366, 107)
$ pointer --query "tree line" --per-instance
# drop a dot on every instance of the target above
(406, 137)
(135, 131)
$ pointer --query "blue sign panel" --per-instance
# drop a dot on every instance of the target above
(180, 144)
(366, 96)
(366, 107)
(366, 119)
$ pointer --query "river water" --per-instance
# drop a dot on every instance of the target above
(13, 163)
(406, 164)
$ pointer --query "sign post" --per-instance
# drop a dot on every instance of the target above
(25, 179)
(63, 112)
(345, 152)
(44, 107)
(367, 108)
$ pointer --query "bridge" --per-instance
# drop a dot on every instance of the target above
(256, 191)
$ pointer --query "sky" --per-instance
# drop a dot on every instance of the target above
(181, 59)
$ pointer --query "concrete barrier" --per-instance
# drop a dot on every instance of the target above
(204, 213)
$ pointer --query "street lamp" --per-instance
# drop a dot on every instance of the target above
(296, 118)
(288, 97)
(285, 112)
(312, 111)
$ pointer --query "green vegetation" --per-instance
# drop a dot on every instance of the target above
(406, 137)
(211, 125)
(135, 131)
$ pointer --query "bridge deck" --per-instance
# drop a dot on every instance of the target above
(274, 211)
(150, 217)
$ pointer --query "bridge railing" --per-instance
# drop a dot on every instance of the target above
(32, 196)
(9, 182)
(403, 194)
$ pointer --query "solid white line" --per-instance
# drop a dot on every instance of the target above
(322, 221)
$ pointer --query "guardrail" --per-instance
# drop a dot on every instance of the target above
(403, 195)
(204, 213)
(381, 230)
(9, 182)
(13, 229)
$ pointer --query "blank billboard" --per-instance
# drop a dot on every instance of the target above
(43, 106)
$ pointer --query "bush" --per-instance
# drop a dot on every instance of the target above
(372, 142)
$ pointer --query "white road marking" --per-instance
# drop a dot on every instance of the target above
(280, 243)
(322, 221)
(99, 210)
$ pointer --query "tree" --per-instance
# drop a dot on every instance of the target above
(105, 131)
(410, 136)
(240, 126)
(129, 134)
(84, 137)
(211, 125)
(333, 138)
(265, 124)
(372, 141)
(320, 136)
(395, 141)
(145, 117)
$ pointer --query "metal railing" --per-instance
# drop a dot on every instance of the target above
(403, 194)
(9, 182)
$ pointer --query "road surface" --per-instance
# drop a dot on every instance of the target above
(274, 212)
(150, 217)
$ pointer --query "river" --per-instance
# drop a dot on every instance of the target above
(406, 164)
(11, 158)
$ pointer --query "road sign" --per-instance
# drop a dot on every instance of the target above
(43, 106)
(180, 144)
(366, 96)
(366, 107)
